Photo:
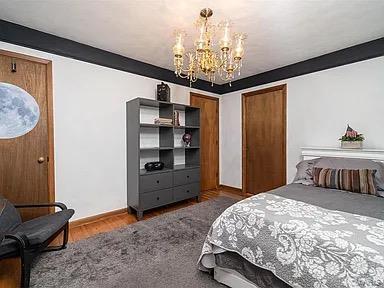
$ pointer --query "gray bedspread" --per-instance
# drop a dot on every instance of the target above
(333, 199)
(321, 241)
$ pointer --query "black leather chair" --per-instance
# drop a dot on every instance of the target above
(28, 239)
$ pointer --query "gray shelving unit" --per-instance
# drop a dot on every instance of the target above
(177, 181)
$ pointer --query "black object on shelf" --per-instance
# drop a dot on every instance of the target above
(187, 139)
(163, 92)
(152, 166)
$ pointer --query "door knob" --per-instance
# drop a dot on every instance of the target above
(40, 160)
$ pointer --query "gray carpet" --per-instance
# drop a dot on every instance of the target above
(159, 252)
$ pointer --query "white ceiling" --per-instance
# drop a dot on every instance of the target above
(280, 32)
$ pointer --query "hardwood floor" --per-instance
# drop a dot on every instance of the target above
(110, 223)
(10, 268)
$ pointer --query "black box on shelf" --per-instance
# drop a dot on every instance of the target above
(163, 92)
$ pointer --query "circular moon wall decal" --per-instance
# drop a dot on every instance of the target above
(19, 112)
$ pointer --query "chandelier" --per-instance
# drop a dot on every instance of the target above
(204, 60)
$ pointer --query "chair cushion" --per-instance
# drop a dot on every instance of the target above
(9, 216)
(37, 230)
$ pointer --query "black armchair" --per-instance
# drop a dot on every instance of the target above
(30, 238)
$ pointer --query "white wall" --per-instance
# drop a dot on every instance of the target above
(89, 123)
(89, 119)
(319, 106)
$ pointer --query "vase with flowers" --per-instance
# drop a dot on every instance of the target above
(352, 139)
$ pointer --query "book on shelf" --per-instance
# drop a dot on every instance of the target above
(176, 118)
(163, 121)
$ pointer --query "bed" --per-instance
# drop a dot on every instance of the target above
(298, 236)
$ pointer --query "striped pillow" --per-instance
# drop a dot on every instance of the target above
(359, 181)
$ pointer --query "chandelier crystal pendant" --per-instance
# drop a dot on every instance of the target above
(204, 60)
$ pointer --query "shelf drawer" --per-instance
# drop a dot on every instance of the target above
(186, 191)
(155, 182)
(155, 199)
(186, 176)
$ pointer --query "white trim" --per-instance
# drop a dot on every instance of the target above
(232, 278)
(316, 152)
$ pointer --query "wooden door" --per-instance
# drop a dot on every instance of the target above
(264, 139)
(26, 162)
(209, 139)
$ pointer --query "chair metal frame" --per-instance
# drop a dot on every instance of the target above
(28, 252)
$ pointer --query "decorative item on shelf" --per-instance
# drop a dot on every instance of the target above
(163, 92)
(163, 121)
(152, 166)
(187, 139)
(351, 139)
(204, 59)
(176, 118)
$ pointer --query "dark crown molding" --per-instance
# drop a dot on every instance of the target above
(31, 38)
(341, 57)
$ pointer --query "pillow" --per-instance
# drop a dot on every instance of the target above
(304, 172)
(355, 163)
(359, 181)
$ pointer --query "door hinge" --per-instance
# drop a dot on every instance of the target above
(13, 66)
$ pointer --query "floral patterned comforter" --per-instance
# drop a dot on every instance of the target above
(302, 244)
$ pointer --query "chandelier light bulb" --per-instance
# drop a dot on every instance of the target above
(239, 46)
(178, 49)
(201, 41)
(226, 41)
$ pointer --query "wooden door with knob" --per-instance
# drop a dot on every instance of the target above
(26, 161)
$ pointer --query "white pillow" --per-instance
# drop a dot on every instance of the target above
(304, 172)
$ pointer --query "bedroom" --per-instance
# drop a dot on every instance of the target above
(309, 69)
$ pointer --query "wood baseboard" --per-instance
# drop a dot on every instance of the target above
(231, 189)
(98, 217)
(95, 218)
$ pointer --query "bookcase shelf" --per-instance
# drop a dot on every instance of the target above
(184, 167)
(155, 148)
(186, 127)
(146, 142)
(191, 147)
(145, 172)
(148, 125)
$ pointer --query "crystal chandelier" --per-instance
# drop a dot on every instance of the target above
(204, 60)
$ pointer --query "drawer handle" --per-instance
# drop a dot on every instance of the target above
(187, 176)
(187, 191)
(158, 198)
(157, 181)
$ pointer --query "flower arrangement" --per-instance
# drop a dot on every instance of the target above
(351, 139)
(351, 135)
